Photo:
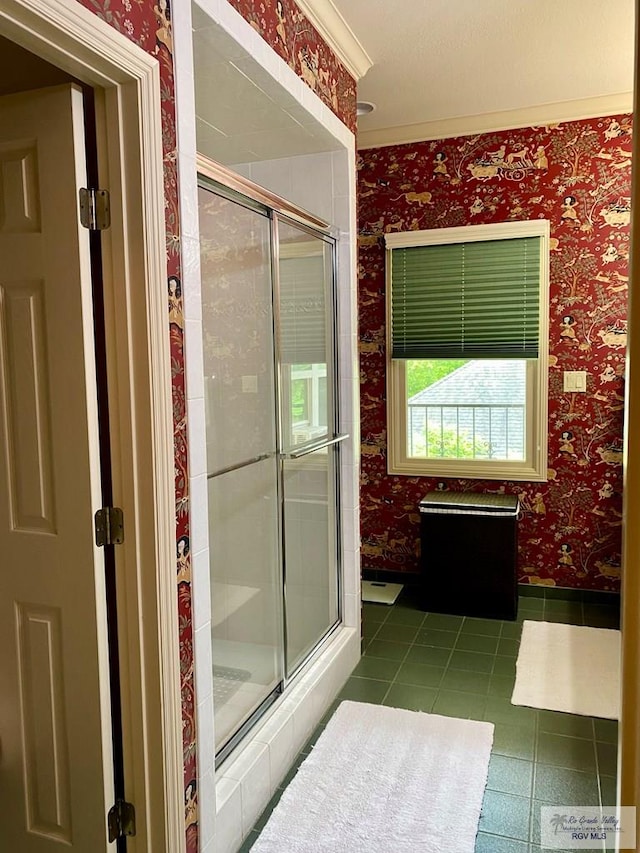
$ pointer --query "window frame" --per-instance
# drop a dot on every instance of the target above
(534, 467)
(312, 378)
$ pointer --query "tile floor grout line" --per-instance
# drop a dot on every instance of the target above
(391, 683)
(534, 779)
(595, 750)
(453, 647)
(411, 645)
(404, 659)
(379, 624)
(599, 781)
(446, 666)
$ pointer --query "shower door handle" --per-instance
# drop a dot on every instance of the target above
(319, 445)
(240, 465)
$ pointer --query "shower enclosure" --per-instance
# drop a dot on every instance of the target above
(269, 343)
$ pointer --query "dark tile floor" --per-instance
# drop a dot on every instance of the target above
(465, 667)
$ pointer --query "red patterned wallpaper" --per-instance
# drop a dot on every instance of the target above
(295, 39)
(576, 175)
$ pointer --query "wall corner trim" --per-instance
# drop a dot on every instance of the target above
(338, 35)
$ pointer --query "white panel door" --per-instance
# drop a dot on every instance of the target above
(55, 768)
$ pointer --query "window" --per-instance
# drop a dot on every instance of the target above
(306, 337)
(308, 409)
(467, 340)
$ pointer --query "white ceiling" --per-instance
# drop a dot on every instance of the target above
(453, 64)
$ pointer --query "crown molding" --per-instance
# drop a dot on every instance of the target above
(338, 35)
(542, 114)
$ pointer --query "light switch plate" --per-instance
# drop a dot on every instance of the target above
(249, 384)
(575, 380)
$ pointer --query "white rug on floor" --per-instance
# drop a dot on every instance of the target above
(385, 780)
(569, 668)
(381, 593)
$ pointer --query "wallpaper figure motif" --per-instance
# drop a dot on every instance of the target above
(295, 39)
(576, 175)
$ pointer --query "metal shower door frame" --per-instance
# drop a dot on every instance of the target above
(217, 179)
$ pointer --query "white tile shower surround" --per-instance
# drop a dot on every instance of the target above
(283, 732)
(228, 798)
(230, 597)
(239, 706)
(256, 664)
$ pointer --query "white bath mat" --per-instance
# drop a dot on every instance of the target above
(385, 780)
(569, 668)
(381, 593)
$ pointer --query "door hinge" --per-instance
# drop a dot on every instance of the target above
(109, 526)
(121, 820)
(95, 212)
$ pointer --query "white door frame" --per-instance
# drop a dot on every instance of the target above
(134, 258)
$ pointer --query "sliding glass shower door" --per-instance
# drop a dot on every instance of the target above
(242, 464)
(268, 322)
(308, 418)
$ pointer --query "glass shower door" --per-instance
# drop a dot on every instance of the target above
(242, 463)
(306, 345)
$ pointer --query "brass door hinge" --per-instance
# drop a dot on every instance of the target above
(95, 211)
(121, 820)
(109, 526)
